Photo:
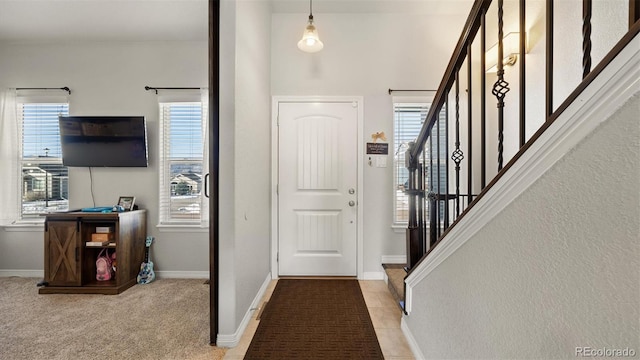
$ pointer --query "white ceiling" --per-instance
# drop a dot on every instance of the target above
(157, 20)
(374, 6)
(103, 20)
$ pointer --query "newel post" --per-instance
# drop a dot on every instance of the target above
(415, 245)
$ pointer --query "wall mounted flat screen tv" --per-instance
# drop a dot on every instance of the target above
(103, 141)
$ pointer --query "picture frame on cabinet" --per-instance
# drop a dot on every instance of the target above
(126, 202)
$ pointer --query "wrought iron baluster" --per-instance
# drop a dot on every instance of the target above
(438, 181)
(522, 100)
(549, 61)
(420, 202)
(634, 12)
(431, 170)
(501, 87)
(483, 101)
(433, 214)
(457, 156)
(446, 151)
(433, 219)
(424, 195)
(469, 125)
(414, 243)
(586, 37)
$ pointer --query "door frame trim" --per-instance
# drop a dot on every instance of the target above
(276, 100)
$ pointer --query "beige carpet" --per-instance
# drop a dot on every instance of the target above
(167, 319)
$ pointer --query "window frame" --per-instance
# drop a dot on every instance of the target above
(165, 219)
(27, 161)
(400, 150)
(424, 103)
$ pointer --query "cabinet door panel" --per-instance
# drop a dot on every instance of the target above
(62, 254)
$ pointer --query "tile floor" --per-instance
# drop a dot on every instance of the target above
(384, 312)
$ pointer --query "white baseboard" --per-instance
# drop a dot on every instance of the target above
(22, 273)
(411, 341)
(232, 340)
(182, 274)
(373, 275)
(394, 259)
(386, 259)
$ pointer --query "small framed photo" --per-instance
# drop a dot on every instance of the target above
(126, 202)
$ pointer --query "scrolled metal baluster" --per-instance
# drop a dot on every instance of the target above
(457, 156)
(501, 87)
(586, 37)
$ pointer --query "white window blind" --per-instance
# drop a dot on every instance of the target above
(182, 162)
(408, 121)
(44, 180)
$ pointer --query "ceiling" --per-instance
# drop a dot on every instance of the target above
(162, 20)
(374, 6)
(103, 20)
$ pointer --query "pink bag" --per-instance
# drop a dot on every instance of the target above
(104, 270)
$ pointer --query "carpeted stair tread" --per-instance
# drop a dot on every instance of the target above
(395, 275)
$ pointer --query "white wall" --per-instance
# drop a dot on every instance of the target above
(245, 210)
(365, 55)
(252, 150)
(108, 78)
(227, 319)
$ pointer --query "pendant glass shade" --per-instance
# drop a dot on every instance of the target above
(310, 41)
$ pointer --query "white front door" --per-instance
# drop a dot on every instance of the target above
(317, 187)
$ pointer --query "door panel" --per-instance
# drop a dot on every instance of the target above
(317, 167)
(318, 231)
(62, 266)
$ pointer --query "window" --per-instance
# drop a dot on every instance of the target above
(44, 181)
(182, 163)
(408, 121)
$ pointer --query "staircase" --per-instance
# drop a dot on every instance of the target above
(487, 132)
(395, 274)
(502, 273)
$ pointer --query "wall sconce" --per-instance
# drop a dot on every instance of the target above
(510, 51)
(310, 41)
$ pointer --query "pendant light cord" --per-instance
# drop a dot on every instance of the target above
(311, 10)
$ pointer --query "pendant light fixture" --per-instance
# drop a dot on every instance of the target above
(310, 41)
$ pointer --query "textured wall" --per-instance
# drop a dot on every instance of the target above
(556, 270)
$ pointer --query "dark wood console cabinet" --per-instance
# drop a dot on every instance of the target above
(70, 265)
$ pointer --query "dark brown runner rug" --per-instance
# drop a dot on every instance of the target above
(315, 319)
